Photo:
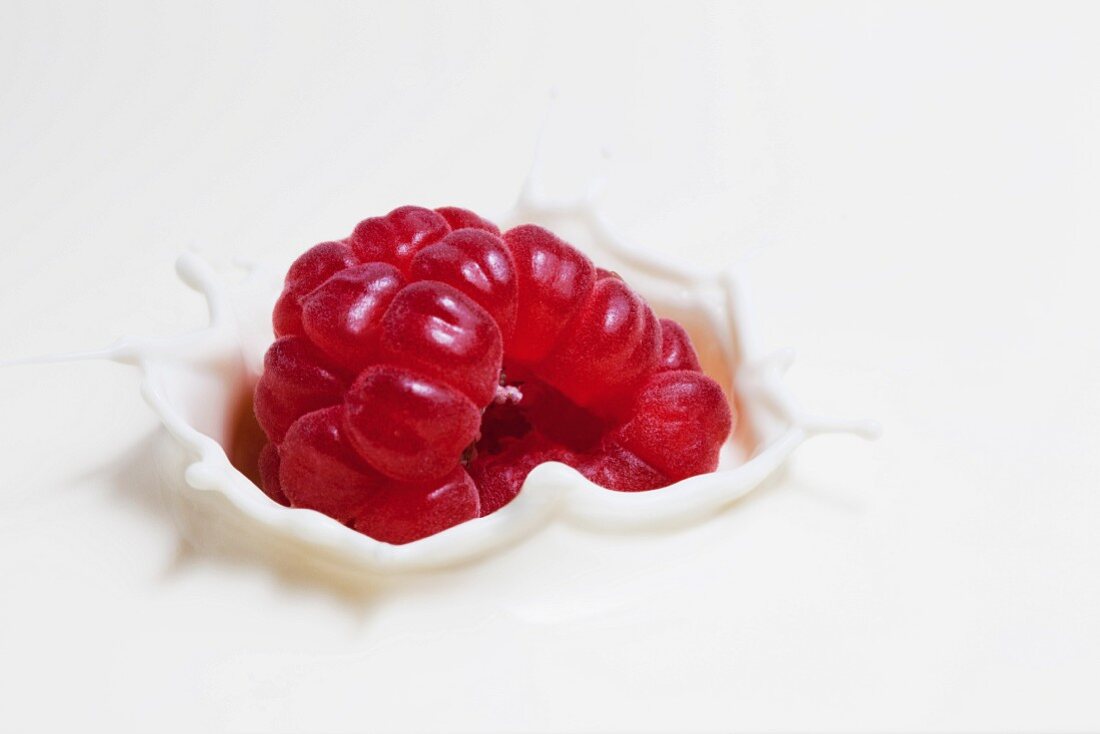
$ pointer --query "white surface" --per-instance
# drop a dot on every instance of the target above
(922, 182)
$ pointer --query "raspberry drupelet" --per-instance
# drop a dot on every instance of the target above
(426, 364)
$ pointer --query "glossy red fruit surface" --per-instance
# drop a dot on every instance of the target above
(296, 379)
(465, 219)
(555, 281)
(343, 315)
(499, 476)
(434, 328)
(403, 513)
(428, 363)
(478, 264)
(409, 426)
(615, 466)
(614, 341)
(311, 269)
(318, 469)
(398, 236)
(676, 350)
(677, 423)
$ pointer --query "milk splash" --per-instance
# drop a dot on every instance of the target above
(197, 382)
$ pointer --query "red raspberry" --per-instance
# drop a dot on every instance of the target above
(399, 513)
(478, 264)
(676, 350)
(555, 281)
(428, 363)
(432, 327)
(499, 476)
(310, 270)
(466, 219)
(411, 427)
(296, 380)
(677, 423)
(269, 474)
(322, 472)
(319, 470)
(341, 316)
(614, 466)
(398, 236)
(613, 343)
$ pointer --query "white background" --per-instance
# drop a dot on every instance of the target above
(920, 185)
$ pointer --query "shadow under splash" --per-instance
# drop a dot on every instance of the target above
(149, 477)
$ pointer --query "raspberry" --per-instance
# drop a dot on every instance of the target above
(676, 350)
(313, 268)
(614, 341)
(614, 466)
(432, 327)
(555, 281)
(269, 473)
(466, 219)
(677, 423)
(478, 264)
(425, 365)
(342, 315)
(295, 381)
(401, 514)
(500, 476)
(320, 471)
(410, 427)
(398, 236)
